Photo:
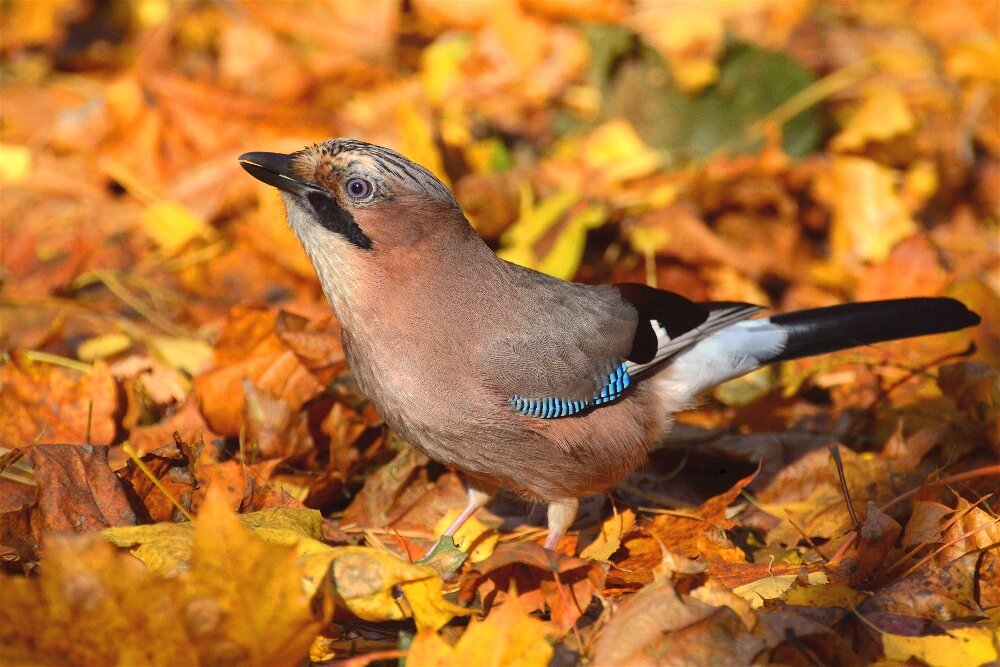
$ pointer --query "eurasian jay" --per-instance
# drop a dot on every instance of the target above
(551, 389)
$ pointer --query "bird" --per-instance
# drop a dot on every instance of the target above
(551, 389)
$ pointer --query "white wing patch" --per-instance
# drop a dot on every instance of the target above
(718, 320)
(729, 353)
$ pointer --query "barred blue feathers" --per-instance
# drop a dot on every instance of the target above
(547, 408)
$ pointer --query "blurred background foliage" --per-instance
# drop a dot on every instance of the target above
(792, 153)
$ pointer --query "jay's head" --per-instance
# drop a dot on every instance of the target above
(355, 203)
(369, 219)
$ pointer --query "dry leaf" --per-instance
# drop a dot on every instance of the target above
(55, 404)
(508, 636)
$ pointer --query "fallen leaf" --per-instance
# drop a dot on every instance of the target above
(869, 216)
(273, 429)
(876, 539)
(657, 625)
(231, 571)
(543, 580)
(474, 537)
(956, 648)
(250, 349)
(940, 593)
(609, 539)
(697, 533)
(92, 605)
(882, 115)
(76, 493)
(508, 636)
(95, 606)
(365, 582)
(55, 404)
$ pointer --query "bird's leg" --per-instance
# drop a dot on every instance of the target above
(562, 514)
(478, 497)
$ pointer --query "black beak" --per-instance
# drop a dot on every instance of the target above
(275, 169)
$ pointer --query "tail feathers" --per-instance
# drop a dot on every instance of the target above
(821, 330)
(750, 344)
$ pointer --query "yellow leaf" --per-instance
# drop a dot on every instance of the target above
(615, 150)
(488, 155)
(36, 22)
(746, 388)
(883, 115)
(769, 588)
(689, 35)
(563, 257)
(15, 163)
(869, 216)
(92, 605)
(172, 225)
(418, 139)
(535, 221)
(363, 580)
(441, 66)
(165, 548)
(961, 647)
(472, 532)
(715, 594)
(253, 587)
(230, 597)
(190, 355)
(103, 346)
(508, 637)
(824, 596)
(648, 240)
(301, 528)
(976, 58)
(563, 260)
(609, 540)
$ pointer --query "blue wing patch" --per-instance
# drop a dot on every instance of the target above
(547, 408)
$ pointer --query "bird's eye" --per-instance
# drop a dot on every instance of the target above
(359, 188)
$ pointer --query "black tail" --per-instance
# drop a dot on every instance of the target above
(820, 330)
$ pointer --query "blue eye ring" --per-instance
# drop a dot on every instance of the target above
(359, 189)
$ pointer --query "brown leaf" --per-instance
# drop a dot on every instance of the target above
(187, 422)
(172, 468)
(941, 593)
(911, 269)
(657, 626)
(543, 579)
(273, 429)
(697, 533)
(76, 493)
(877, 539)
(39, 398)
(251, 349)
(400, 495)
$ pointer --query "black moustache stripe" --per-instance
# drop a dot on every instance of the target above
(337, 219)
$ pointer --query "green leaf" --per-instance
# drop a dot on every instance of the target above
(752, 84)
